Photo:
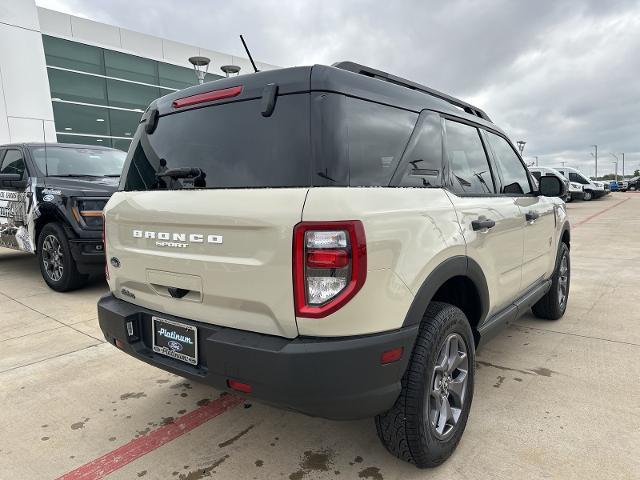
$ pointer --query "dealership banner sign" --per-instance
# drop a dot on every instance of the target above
(16, 216)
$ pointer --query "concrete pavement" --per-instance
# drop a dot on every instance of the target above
(553, 399)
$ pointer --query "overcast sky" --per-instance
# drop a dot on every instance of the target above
(562, 75)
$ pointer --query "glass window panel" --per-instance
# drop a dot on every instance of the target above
(121, 65)
(422, 159)
(73, 55)
(120, 144)
(173, 76)
(74, 118)
(164, 91)
(82, 140)
(515, 178)
(13, 163)
(467, 160)
(211, 77)
(130, 95)
(214, 140)
(377, 137)
(124, 124)
(77, 87)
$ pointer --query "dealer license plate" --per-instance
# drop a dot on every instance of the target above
(176, 340)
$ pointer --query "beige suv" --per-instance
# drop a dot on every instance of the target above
(332, 240)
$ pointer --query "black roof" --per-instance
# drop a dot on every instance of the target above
(347, 78)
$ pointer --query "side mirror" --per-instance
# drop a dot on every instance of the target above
(12, 180)
(552, 186)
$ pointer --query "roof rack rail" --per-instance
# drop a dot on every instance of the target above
(387, 77)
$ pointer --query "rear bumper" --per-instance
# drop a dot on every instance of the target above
(337, 378)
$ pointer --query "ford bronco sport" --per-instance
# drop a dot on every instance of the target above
(332, 240)
(51, 199)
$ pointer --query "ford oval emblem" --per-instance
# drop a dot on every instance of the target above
(175, 346)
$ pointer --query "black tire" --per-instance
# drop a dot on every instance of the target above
(552, 306)
(67, 278)
(587, 195)
(406, 430)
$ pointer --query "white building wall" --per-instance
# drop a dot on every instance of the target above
(26, 114)
(78, 29)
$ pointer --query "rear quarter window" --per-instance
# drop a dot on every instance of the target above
(377, 137)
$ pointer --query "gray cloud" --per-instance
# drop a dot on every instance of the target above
(560, 74)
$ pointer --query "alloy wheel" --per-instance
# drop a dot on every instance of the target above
(448, 387)
(563, 281)
(53, 258)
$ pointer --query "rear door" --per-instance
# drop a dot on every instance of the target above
(490, 222)
(203, 229)
(537, 213)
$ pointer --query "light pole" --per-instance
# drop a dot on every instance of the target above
(230, 70)
(622, 165)
(536, 157)
(200, 67)
(596, 157)
(521, 144)
(616, 162)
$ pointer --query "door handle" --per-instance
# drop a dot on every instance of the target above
(531, 216)
(484, 223)
(177, 292)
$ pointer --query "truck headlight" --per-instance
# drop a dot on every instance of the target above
(88, 212)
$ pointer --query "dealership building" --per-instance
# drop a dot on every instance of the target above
(68, 79)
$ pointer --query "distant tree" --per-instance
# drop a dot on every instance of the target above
(609, 176)
(636, 173)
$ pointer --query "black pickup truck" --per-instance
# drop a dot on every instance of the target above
(51, 200)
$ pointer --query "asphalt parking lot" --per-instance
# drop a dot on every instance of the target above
(552, 400)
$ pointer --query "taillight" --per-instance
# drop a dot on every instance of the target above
(104, 248)
(329, 265)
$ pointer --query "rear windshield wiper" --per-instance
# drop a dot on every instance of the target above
(182, 172)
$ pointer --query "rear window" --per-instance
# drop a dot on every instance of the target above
(224, 146)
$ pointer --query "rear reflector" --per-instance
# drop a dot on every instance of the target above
(207, 97)
(327, 258)
(119, 344)
(239, 386)
(391, 356)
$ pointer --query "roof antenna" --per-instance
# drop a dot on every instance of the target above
(249, 53)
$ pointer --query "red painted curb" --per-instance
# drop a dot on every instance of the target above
(118, 458)
(600, 212)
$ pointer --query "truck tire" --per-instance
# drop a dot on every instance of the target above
(57, 265)
(553, 305)
(587, 195)
(426, 423)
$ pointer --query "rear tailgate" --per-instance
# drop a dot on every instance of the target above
(229, 249)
